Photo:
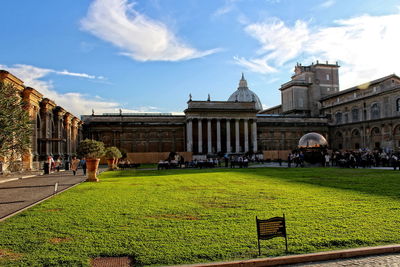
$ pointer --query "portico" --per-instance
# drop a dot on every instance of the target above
(218, 126)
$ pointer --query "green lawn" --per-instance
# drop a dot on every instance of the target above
(189, 216)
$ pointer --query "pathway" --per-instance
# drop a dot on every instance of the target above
(19, 194)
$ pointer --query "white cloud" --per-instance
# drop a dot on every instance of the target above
(139, 37)
(327, 3)
(366, 46)
(82, 75)
(228, 6)
(259, 65)
(279, 44)
(73, 102)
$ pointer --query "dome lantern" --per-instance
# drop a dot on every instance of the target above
(244, 94)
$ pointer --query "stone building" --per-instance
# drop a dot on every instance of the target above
(364, 116)
(208, 127)
(56, 132)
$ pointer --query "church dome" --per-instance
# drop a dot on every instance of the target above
(244, 94)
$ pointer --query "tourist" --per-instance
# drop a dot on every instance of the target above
(82, 163)
(226, 159)
(74, 165)
(394, 161)
(327, 160)
(245, 162)
(51, 163)
(58, 164)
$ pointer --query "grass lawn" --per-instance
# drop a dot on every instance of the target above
(189, 216)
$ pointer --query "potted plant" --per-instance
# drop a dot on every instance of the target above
(92, 150)
(112, 156)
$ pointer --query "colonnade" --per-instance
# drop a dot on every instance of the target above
(241, 135)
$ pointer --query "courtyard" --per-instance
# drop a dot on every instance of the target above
(191, 216)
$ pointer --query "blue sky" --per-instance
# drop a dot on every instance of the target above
(148, 56)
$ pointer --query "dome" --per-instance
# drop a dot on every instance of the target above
(244, 94)
(312, 140)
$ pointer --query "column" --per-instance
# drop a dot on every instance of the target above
(218, 135)
(228, 136)
(246, 136)
(237, 144)
(254, 137)
(189, 132)
(200, 141)
(209, 141)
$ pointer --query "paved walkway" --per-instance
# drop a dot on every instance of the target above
(18, 194)
(392, 260)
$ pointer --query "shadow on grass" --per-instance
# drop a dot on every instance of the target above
(375, 182)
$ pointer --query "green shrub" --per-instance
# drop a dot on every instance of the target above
(113, 152)
(91, 149)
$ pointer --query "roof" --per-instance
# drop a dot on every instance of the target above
(358, 87)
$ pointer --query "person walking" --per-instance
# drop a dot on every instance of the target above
(83, 165)
(394, 161)
(58, 164)
(327, 160)
(74, 165)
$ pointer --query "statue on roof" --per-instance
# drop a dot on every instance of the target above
(209, 98)
(190, 97)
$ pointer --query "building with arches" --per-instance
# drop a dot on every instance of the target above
(364, 116)
(56, 132)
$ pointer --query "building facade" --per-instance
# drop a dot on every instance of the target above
(365, 116)
(55, 131)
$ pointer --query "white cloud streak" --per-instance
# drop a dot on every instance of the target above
(139, 37)
(366, 46)
(327, 4)
(74, 102)
(228, 6)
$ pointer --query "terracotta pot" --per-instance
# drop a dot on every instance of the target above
(110, 163)
(92, 165)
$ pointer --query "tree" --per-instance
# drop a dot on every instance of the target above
(15, 125)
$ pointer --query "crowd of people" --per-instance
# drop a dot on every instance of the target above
(60, 163)
(233, 161)
(362, 158)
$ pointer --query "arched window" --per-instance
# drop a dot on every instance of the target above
(375, 111)
(355, 132)
(354, 115)
(398, 104)
(338, 117)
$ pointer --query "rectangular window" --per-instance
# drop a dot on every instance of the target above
(327, 77)
(328, 89)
